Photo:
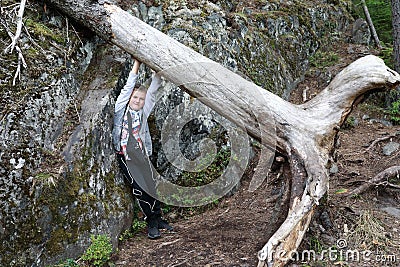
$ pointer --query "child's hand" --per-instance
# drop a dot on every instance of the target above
(136, 65)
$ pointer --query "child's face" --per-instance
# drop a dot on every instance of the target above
(137, 100)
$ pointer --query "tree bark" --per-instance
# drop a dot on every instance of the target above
(305, 133)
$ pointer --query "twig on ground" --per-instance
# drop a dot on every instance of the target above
(390, 172)
(179, 264)
(394, 156)
(167, 243)
(305, 94)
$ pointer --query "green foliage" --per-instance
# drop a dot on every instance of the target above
(350, 122)
(381, 15)
(387, 55)
(66, 263)
(99, 252)
(395, 112)
(43, 176)
(136, 227)
(209, 174)
(323, 59)
(166, 208)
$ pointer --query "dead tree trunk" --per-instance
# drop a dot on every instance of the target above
(371, 25)
(305, 133)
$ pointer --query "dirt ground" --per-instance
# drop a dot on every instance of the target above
(232, 233)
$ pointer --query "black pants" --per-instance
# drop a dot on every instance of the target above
(149, 205)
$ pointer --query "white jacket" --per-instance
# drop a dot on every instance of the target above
(122, 104)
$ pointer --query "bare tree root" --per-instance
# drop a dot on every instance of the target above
(372, 145)
(381, 178)
(380, 140)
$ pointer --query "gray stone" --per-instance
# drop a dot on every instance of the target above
(360, 32)
(365, 117)
(390, 148)
(392, 211)
(334, 169)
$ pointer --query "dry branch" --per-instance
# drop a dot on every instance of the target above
(305, 132)
(381, 178)
(21, 59)
(19, 28)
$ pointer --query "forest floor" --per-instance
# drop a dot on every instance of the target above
(357, 231)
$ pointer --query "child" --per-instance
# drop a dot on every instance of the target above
(132, 142)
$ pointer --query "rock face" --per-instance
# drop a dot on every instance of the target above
(59, 180)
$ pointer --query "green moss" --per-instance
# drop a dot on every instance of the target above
(63, 196)
(55, 242)
(43, 176)
(40, 29)
(71, 194)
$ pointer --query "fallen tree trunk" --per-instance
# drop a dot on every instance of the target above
(304, 133)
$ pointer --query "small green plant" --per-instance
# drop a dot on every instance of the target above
(99, 251)
(66, 263)
(316, 245)
(166, 208)
(387, 55)
(395, 112)
(350, 122)
(137, 226)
